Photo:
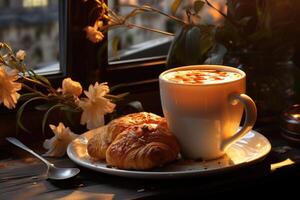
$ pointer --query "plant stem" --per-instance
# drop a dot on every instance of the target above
(149, 8)
(39, 83)
(212, 6)
(33, 90)
(221, 13)
(149, 29)
(128, 24)
(113, 14)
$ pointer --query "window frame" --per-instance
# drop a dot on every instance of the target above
(56, 78)
(138, 77)
(80, 60)
(129, 75)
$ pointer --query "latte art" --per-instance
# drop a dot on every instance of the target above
(199, 76)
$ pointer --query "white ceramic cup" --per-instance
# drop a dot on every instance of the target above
(205, 117)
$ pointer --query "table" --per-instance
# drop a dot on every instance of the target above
(21, 177)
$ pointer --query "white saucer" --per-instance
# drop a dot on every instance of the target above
(251, 148)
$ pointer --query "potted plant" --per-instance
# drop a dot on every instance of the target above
(260, 38)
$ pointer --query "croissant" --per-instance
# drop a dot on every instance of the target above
(143, 147)
(98, 145)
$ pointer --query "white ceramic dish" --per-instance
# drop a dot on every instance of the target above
(251, 148)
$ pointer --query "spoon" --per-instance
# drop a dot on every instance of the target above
(54, 173)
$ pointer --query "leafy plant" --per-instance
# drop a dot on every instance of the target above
(266, 26)
(14, 75)
(192, 43)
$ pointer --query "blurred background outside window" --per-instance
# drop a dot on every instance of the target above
(32, 25)
(138, 43)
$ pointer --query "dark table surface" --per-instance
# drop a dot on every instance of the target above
(22, 177)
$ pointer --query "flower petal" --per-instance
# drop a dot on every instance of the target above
(9, 88)
(58, 144)
(95, 106)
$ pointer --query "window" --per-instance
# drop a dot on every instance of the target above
(138, 43)
(35, 3)
(33, 25)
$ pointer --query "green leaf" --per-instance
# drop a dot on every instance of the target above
(207, 43)
(121, 96)
(39, 78)
(31, 73)
(102, 49)
(193, 45)
(68, 108)
(118, 86)
(117, 97)
(43, 79)
(115, 45)
(175, 5)
(69, 117)
(47, 114)
(198, 5)
(21, 110)
(244, 21)
(27, 96)
(43, 107)
(176, 50)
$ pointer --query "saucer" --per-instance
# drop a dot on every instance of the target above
(249, 149)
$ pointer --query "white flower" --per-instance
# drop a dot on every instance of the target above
(95, 106)
(58, 144)
(21, 54)
(9, 88)
(71, 87)
(93, 34)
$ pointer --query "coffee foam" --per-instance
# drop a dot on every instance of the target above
(201, 76)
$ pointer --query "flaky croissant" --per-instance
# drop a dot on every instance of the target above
(98, 145)
(143, 147)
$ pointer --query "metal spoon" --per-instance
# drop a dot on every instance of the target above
(53, 172)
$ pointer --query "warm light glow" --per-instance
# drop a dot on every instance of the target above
(81, 195)
(35, 3)
(296, 116)
(133, 2)
(215, 15)
(286, 162)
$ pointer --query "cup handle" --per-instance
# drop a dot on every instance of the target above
(250, 118)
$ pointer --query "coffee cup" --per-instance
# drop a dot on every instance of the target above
(203, 106)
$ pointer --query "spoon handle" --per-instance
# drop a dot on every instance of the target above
(22, 146)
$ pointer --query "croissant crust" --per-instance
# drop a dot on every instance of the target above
(143, 147)
(98, 145)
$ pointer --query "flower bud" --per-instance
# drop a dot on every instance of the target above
(93, 34)
(71, 87)
(21, 55)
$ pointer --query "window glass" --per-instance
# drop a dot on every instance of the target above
(35, 3)
(3, 3)
(137, 43)
(32, 25)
